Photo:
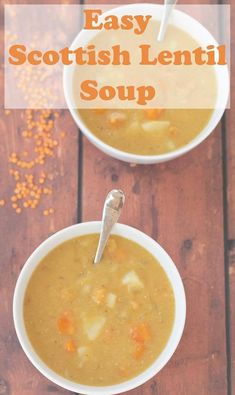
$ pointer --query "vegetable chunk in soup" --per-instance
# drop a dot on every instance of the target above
(99, 324)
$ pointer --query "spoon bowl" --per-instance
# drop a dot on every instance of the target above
(111, 212)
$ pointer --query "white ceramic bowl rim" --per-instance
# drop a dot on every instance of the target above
(132, 234)
(186, 23)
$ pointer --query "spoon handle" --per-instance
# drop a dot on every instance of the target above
(168, 7)
(111, 213)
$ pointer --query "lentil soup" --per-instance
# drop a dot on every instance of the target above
(152, 131)
(80, 316)
(146, 132)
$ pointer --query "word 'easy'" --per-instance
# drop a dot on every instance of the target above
(138, 23)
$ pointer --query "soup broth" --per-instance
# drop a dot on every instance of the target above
(146, 132)
(99, 324)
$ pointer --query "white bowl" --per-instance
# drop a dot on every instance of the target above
(133, 234)
(197, 31)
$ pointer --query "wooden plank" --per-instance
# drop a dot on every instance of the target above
(186, 218)
(230, 168)
(21, 233)
(230, 137)
(180, 204)
(231, 273)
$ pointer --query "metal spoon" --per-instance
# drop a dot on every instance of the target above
(168, 7)
(111, 212)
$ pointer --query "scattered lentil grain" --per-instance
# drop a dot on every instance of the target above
(2, 202)
(39, 131)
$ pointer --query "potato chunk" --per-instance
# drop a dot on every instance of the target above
(94, 326)
(155, 126)
(170, 145)
(117, 117)
(83, 354)
(86, 289)
(111, 300)
(132, 281)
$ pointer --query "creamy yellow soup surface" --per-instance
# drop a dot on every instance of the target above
(99, 324)
(152, 131)
(146, 132)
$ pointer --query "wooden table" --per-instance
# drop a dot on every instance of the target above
(188, 205)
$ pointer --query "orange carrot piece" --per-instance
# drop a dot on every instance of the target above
(65, 324)
(154, 113)
(140, 349)
(70, 346)
(140, 333)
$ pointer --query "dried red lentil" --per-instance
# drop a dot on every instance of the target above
(29, 189)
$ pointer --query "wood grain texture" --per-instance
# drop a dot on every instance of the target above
(180, 204)
(231, 276)
(229, 173)
(230, 168)
(230, 140)
(21, 233)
